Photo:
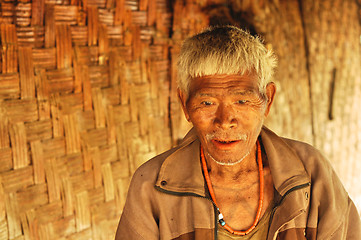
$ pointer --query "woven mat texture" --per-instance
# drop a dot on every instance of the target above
(86, 91)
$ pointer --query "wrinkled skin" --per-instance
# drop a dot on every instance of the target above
(228, 112)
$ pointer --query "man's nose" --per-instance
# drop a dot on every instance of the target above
(226, 116)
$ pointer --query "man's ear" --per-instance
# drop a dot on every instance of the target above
(270, 92)
(183, 97)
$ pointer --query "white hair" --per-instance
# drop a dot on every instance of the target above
(224, 50)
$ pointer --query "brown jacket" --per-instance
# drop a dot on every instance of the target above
(168, 199)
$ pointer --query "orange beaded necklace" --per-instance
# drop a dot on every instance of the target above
(260, 202)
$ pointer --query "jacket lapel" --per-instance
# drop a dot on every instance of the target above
(286, 168)
(181, 172)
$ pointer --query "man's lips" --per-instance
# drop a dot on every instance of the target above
(224, 144)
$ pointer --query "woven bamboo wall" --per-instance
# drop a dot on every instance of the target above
(84, 100)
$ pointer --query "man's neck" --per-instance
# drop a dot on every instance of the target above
(233, 172)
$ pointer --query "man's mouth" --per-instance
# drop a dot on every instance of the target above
(224, 144)
(225, 141)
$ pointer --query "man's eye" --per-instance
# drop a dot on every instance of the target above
(207, 103)
(242, 101)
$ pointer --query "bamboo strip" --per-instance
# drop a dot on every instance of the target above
(131, 5)
(83, 235)
(31, 36)
(49, 212)
(70, 103)
(99, 76)
(37, 15)
(77, 76)
(45, 231)
(152, 13)
(26, 70)
(95, 156)
(38, 161)
(9, 42)
(44, 58)
(38, 130)
(60, 81)
(2, 208)
(57, 122)
(133, 104)
(106, 16)
(139, 18)
(110, 125)
(108, 153)
(32, 197)
(32, 222)
(42, 93)
(87, 160)
(127, 27)
(103, 45)
(63, 227)
(9, 85)
(52, 180)
(110, 4)
(49, 26)
(136, 45)
(108, 182)
(93, 22)
(119, 12)
(114, 72)
(79, 35)
(115, 35)
(53, 148)
(72, 137)
(120, 193)
(143, 5)
(98, 108)
(95, 137)
(13, 216)
(82, 210)
(4, 234)
(87, 93)
(124, 85)
(19, 145)
(17, 179)
(63, 46)
(67, 197)
(7, 12)
(23, 14)
(6, 162)
(66, 14)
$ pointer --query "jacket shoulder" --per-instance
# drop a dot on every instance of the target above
(330, 203)
(149, 170)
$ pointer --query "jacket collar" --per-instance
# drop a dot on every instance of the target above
(181, 172)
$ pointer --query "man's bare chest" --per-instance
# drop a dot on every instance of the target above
(238, 201)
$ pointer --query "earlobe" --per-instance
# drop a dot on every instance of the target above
(270, 92)
(183, 99)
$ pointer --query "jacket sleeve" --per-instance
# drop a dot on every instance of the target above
(352, 225)
(138, 220)
(332, 212)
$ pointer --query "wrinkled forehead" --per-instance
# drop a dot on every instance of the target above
(247, 82)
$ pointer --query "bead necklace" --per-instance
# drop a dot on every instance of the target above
(260, 202)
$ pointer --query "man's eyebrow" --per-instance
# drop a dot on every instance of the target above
(204, 94)
(243, 92)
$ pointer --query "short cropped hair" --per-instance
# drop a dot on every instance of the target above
(224, 50)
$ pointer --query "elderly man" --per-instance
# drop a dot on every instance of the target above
(232, 178)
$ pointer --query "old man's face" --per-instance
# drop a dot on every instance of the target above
(227, 112)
